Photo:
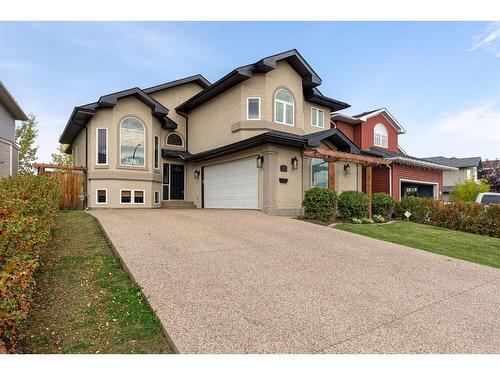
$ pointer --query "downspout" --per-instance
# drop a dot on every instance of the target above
(87, 165)
(390, 181)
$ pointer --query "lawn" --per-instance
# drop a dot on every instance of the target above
(84, 301)
(467, 246)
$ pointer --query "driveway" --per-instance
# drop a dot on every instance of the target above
(227, 281)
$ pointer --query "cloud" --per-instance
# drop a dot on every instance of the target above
(489, 40)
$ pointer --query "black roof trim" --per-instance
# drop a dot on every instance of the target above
(197, 78)
(175, 154)
(309, 81)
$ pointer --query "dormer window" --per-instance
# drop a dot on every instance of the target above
(380, 136)
(174, 139)
(284, 107)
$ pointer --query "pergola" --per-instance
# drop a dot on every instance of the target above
(366, 161)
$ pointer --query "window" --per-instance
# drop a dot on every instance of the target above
(380, 136)
(253, 108)
(157, 197)
(317, 117)
(132, 142)
(284, 107)
(102, 146)
(157, 152)
(319, 173)
(126, 196)
(139, 196)
(101, 196)
(174, 139)
(131, 196)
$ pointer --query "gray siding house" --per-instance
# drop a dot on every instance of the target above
(9, 151)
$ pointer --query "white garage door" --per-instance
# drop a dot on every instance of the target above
(232, 185)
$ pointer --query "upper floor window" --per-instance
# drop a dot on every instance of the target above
(317, 117)
(284, 107)
(102, 146)
(157, 152)
(380, 135)
(174, 139)
(132, 142)
(253, 108)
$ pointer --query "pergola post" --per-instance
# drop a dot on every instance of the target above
(369, 189)
(331, 175)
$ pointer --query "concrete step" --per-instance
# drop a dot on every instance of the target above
(177, 204)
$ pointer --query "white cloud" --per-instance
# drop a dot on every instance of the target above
(489, 40)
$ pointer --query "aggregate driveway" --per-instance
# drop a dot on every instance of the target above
(227, 281)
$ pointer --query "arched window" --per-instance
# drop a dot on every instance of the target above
(132, 142)
(380, 136)
(174, 139)
(284, 107)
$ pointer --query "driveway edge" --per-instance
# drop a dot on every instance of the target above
(124, 266)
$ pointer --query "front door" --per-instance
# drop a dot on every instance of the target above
(173, 181)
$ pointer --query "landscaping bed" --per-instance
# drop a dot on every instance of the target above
(84, 301)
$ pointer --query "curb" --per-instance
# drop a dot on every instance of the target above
(126, 269)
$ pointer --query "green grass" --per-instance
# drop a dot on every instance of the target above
(85, 302)
(466, 246)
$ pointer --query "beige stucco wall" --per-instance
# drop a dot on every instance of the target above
(450, 178)
(79, 149)
(113, 191)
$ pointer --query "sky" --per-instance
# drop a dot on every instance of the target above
(441, 80)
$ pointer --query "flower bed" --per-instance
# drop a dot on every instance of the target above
(28, 207)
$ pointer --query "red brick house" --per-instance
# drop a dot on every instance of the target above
(376, 134)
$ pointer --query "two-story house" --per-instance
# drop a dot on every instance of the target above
(376, 133)
(9, 151)
(235, 143)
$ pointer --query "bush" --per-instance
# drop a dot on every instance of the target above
(383, 205)
(353, 204)
(468, 191)
(28, 206)
(320, 204)
(379, 219)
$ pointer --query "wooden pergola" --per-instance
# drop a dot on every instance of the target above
(366, 161)
(41, 167)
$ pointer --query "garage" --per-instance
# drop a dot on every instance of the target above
(233, 184)
(419, 189)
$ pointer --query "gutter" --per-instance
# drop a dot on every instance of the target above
(421, 163)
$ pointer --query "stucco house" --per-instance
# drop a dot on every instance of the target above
(10, 111)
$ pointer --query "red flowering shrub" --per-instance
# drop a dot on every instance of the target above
(28, 207)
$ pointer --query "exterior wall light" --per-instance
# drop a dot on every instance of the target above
(196, 174)
(347, 169)
(260, 161)
(295, 162)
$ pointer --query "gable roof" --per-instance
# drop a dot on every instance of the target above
(456, 162)
(309, 81)
(197, 78)
(400, 158)
(10, 104)
(82, 114)
(384, 112)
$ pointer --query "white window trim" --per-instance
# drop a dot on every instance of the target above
(317, 115)
(284, 108)
(144, 143)
(97, 146)
(169, 145)
(381, 136)
(248, 112)
(159, 197)
(96, 195)
(132, 196)
(158, 152)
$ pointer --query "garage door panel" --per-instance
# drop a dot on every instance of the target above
(231, 185)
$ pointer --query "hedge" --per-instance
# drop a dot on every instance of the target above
(28, 207)
(320, 204)
(461, 216)
(353, 204)
(383, 205)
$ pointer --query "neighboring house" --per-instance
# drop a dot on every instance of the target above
(467, 168)
(9, 151)
(376, 133)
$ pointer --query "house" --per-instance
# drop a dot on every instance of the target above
(376, 133)
(467, 168)
(9, 151)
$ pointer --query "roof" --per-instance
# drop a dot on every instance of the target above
(10, 104)
(307, 141)
(400, 158)
(198, 79)
(310, 80)
(456, 162)
(384, 112)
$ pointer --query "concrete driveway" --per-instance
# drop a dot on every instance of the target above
(226, 281)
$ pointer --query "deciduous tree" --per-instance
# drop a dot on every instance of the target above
(26, 135)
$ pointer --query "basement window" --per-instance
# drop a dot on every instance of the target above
(139, 196)
(101, 196)
(125, 196)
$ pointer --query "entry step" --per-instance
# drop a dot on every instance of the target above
(177, 204)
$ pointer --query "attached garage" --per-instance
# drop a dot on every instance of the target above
(233, 184)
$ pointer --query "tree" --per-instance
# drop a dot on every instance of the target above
(26, 134)
(468, 191)
(493, 179)
(60, 157)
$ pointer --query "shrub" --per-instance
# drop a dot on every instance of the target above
(28, 206)
(379, 219)
(468, 191)
(383, 205)
(320, 204)
(355, 220)
(353, 204)
(366, 220)
(416, 206)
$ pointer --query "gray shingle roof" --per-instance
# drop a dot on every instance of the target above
(456, 162)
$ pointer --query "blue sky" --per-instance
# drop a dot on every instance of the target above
(440, 80)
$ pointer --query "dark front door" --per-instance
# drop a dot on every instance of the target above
(176, 181)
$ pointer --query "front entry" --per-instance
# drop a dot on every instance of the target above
(173, 181)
